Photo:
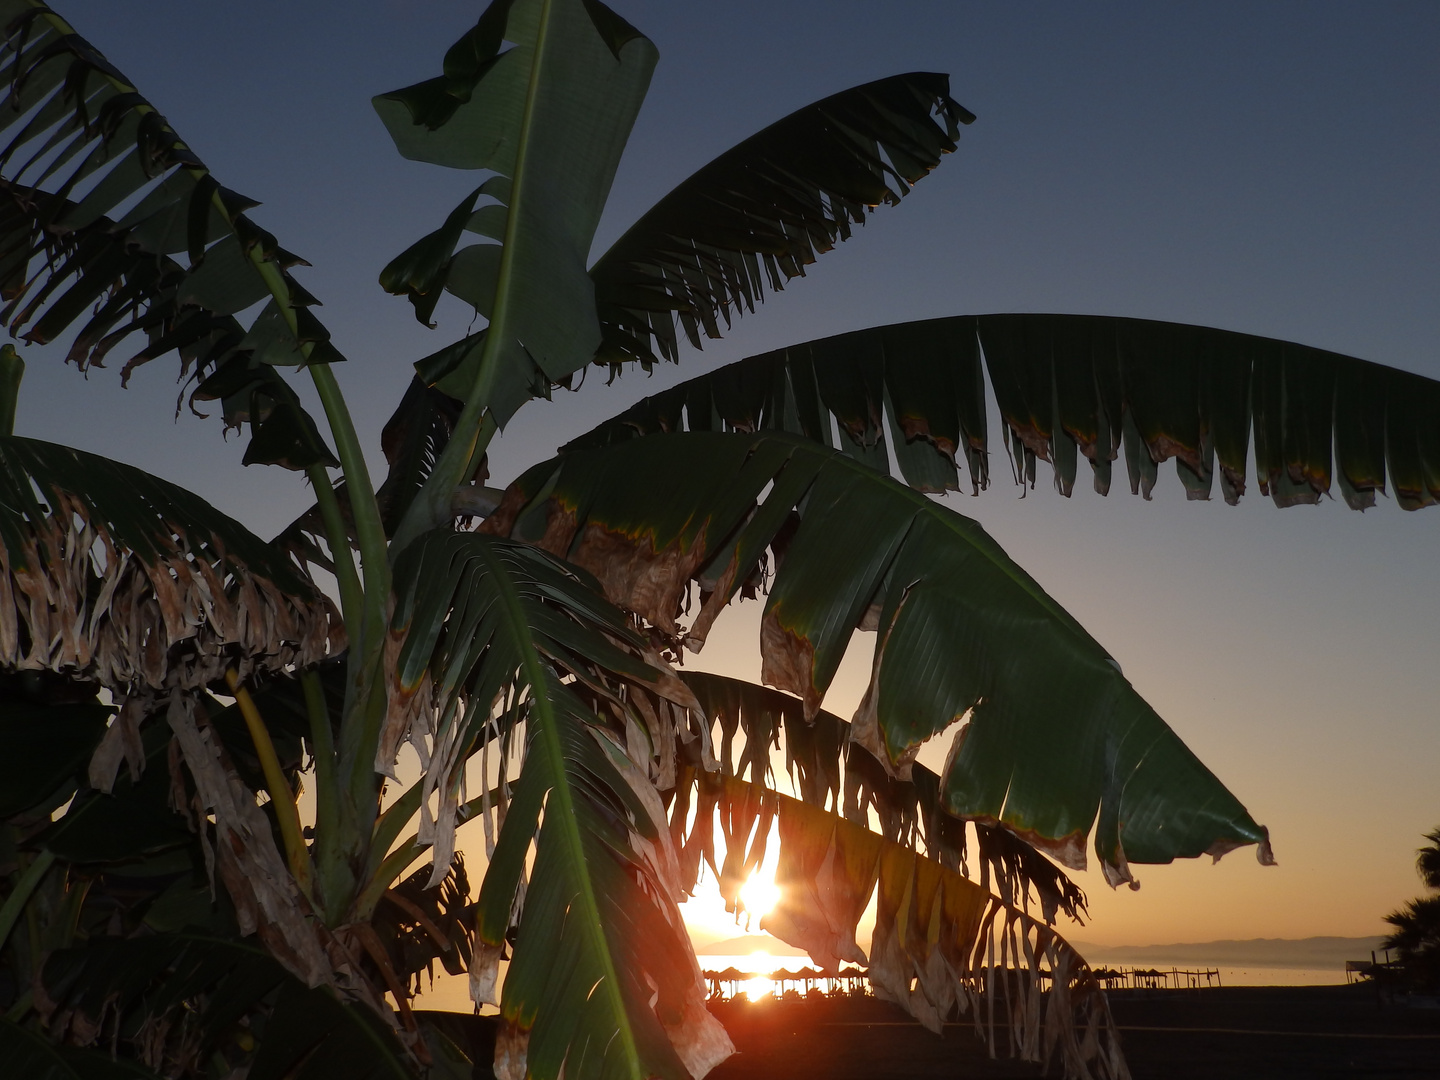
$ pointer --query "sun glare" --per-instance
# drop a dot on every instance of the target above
(760, 964)
(704, 910)
(759, 894)
(756, 988)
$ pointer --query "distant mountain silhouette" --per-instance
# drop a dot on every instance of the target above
(745, 945)
(1312, 952)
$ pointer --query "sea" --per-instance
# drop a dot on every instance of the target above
(452, 992)
(761, 963)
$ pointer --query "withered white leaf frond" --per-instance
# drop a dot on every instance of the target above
(111, 575)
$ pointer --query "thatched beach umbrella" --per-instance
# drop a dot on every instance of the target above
(806, 975)
(730, 977)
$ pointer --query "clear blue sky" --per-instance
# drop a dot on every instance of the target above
(1265, 167)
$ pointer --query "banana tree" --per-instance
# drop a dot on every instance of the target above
(168, 680)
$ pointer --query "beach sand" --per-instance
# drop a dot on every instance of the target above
(1236, 1033)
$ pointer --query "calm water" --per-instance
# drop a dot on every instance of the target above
(451, 992)
(763, 963)
(1262, 976)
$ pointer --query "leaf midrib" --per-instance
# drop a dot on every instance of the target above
(561, 802)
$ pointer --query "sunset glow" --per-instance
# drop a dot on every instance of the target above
(762, 963)
(756, 988)
(760, 893)
(704, 911)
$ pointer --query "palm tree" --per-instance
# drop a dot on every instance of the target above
(1427, 860)
(1416, 939)
(169, 677)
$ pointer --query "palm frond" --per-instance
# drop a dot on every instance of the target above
(1427, 860)
(412, 440)
(761, 212)
(1081, 385)
(602, 978)
(459, 597)
(418, 925)
(1416, 940)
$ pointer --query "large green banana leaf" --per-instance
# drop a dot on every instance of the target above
(602, 980)
(46, 748)
(549, 116)
(457, 596)
(111, 574)
(100, 199)
(1071, 385)
(134, 820)
(1054, 734)
(412, 440)
(764, 209)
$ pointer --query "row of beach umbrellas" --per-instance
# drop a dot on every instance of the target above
(733, 974)
(808, 974)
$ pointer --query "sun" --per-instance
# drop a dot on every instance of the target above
(760, 894)
(704, 910)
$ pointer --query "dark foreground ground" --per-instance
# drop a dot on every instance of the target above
(1236, 1033)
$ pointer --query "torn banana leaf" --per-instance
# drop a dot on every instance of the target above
(1068, 386)
(250, 392)
(964, 633)
(831, 773)
(110, 574)
(762, 211)
(111, 226)
(602, 980)
(468, 609)
(943, 947)
(412, 440)
(549, 116)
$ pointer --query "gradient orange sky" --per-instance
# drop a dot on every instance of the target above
(1269, 168)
